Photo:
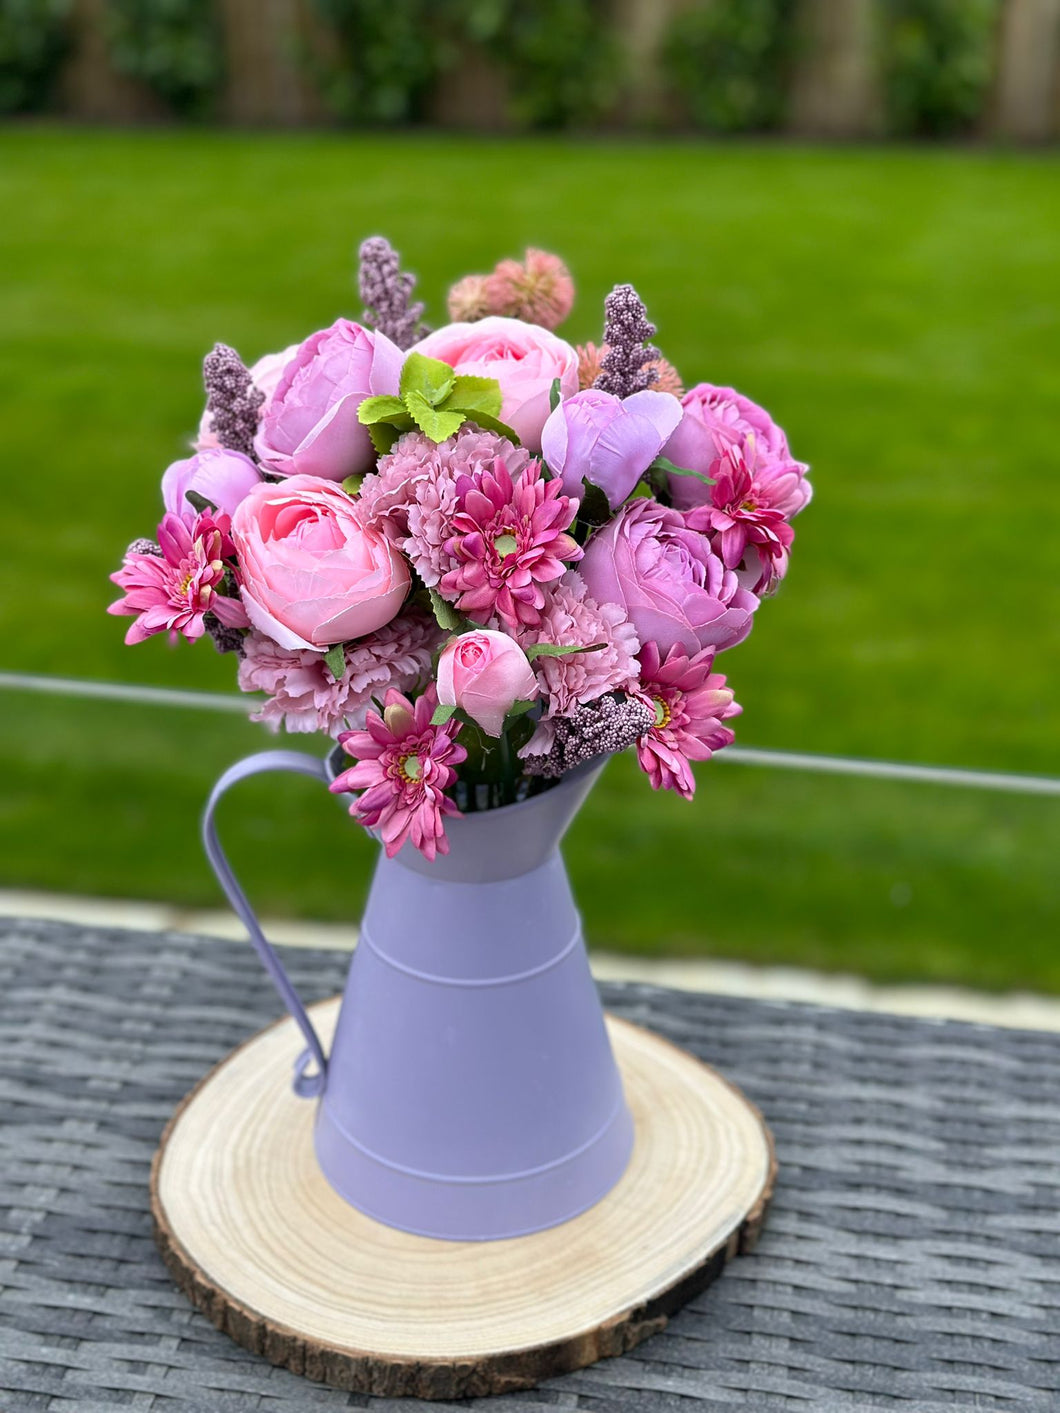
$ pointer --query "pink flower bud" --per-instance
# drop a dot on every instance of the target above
(485, 673)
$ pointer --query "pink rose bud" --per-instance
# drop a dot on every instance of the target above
(485, 673)
(524, 358)
(220, 476)
(309, 425)
(310, 573)
(607, 440)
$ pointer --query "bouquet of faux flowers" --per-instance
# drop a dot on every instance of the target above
(480, 556)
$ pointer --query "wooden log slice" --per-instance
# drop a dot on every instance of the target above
(256, 1238)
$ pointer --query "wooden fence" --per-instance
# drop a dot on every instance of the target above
(835, 90)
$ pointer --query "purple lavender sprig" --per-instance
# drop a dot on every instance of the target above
(143, 546)
(627, 331)
(232, 400)
(225, 640)
(599, 728)
(385, 292)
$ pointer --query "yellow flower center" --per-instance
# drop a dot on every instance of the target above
(411, 768)
(505, 544)
(662, 713)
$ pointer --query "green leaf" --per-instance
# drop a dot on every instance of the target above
(476, 395)
(662, 463)
(521, 707)
(429, 377)
(352, 484)
(434, 424)
(336, 660)
(442, 713)
(384, 435)
(554, 395)
(595, 508)
(445, 615)
(559, 650)
(489, 424)
(198, 502)
(380, 409)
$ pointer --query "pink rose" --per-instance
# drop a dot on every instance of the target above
(671, 584)
(607, 440)
(311, 574)
(309, 425)
(219, 476)
(714, 420)
(485, 673)
(524, 358)
(265, 374)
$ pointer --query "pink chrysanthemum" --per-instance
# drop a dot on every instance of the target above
(570, 618)
(404, 767)
(747, 514)
(691, 702)
(538, 290)
(174, 592)
(508, 539)
(591, 365)
(412, 497)
(468, 300)
(303, 695)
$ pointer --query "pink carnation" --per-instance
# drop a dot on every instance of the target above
(303, 695)
(412, 498)
(571, 618)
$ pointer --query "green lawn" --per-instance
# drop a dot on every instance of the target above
(897, 310)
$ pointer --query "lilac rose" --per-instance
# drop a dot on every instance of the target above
(674, 589)
(607, 440)
(713, 421)
(309, 425)
(220, 476)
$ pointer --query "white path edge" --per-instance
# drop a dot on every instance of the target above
(1016, 1009)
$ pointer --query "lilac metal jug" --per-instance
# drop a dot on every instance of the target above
(470, 1092)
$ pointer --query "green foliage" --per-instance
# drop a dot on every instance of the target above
(559, 56)
(175, 47)
(939, 59)
(34, 40)
(433, 399)
(729, 61)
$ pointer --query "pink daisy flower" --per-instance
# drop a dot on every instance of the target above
(404, 766)
(507, 541)
(303, 695)
(690, 703)
(173, 591)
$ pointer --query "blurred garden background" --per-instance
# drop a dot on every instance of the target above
(893, 298)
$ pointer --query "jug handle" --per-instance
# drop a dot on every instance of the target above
(307, 1086)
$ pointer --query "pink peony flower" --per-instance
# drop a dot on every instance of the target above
(309, 425)
(539, 289)
(219, 476)
(607, 440)
(412, 498)
(743, 517)
(591, 365)
(524, 358)
(175, 590)
(310, 571)
(265, 374)
(672, 585)
(714, 420)
(508, 539)
(404, 766)
(571, 618)
(303, 695)
(690, 704)
(485, 673)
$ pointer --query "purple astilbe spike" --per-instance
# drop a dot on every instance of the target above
(385, 292)
(625, 368)
(225, 640)
(232, 400)
(151, 547)
(600, 728)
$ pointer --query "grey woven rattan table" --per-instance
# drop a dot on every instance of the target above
(911, 1259)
